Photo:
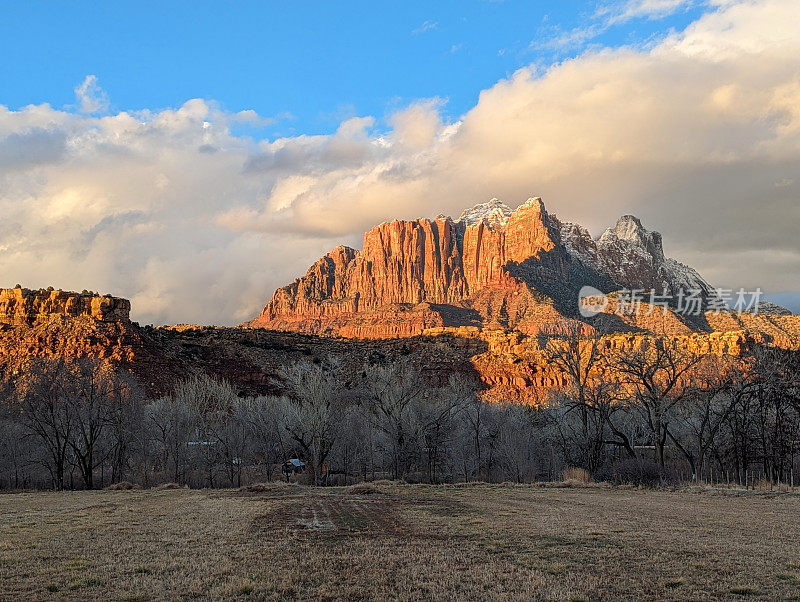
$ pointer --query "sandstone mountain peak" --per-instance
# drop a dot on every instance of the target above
(628, 227)
(494, 267)
(535, 203)
(630, 254)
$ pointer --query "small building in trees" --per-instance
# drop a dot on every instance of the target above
(293, 466)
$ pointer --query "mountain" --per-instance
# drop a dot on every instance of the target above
(48, 324)
(490, 268)
(632, 256)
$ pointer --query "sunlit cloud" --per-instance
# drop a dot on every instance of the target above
(698, 135)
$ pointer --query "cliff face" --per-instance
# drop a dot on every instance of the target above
(412, 275)
(513, 367)
(54, 324)
(24, 306)
(493, 267)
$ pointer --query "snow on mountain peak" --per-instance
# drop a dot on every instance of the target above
(631, 256)
(494, 213)
(629, 231)
(628, 227)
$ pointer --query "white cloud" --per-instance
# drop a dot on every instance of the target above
(567, 40)
(90, 96)
(425, 26)
(607, 16)
(620, 12)
(699, 136)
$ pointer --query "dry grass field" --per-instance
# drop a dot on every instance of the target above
(401, 542)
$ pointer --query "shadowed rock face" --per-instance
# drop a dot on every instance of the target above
(493, 268)
(631, 256)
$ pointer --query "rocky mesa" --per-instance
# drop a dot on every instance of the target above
(24, 306)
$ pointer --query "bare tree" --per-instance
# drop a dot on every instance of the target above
(127, 434)
(266, 435)
(705, 408)
(67, 406)
(656, 375)
(233, 437)
(48, 413)
(390, 391)
(311, 413)
(16, 448)
(776, 389)
(172, 423)
(475, 414)
(521, 441)
(436, 419)
(590, 394)
(210, 401)
(94, 391)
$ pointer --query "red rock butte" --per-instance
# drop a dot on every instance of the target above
(24, 306)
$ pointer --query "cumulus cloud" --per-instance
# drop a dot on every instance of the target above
(128, 204)
(699, 136)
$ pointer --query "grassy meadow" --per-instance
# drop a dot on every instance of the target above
(395, 541)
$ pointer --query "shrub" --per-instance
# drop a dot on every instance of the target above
(765, 485)
(373, 487)
(265, 487)
(579, 475)
(122, 486)
(364, 489)
(164, 486)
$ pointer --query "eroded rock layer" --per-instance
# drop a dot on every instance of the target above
(412, 275)
(25, 306)
(506, 365)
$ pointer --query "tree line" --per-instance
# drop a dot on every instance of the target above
(654, 414)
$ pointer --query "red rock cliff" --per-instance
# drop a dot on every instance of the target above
(23, 306)
(418, 274)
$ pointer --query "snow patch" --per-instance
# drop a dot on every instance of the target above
(494, 213)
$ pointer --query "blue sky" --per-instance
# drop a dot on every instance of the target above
(308, 65)
(194, 156)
